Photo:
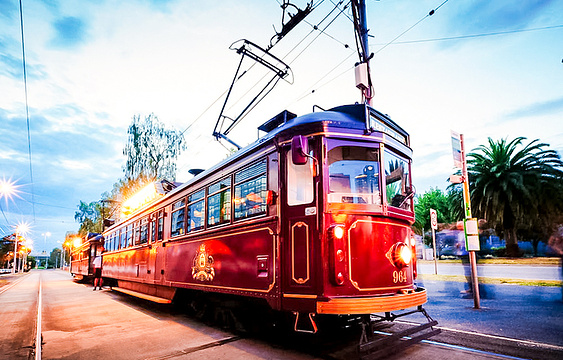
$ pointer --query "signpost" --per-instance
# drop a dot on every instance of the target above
(470, 224)
(434, 226)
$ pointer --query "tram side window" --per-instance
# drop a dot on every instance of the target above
(123, 237)
(178, 214)
(299, 182)
(136, 233)
(196, 210)
(251, 191)
(160, 228)
(144, 231)
(129, 236)
(397, 180)
(219, 202)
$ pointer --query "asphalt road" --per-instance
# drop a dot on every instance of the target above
(79, 323)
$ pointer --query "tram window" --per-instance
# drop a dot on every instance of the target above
(160, 229)
(144, 231)
(354, 175)
(196, 210)
(129, 236)
(299, 182)
(250, 191)
(397, 181)
(136, 233)
(219, 202)
(178, 214)
(152, 230)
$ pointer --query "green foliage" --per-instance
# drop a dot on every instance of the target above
(433, 199)
(151, 150)
(515, 188)
(151, 153)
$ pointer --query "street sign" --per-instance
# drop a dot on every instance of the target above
(456, 150)
(433, 219)
(471, 234)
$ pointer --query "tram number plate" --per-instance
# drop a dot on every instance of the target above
(400, 276)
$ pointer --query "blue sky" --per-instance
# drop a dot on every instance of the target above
(481, 68)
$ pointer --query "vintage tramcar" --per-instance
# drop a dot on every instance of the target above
(313, 219)
(82, 256)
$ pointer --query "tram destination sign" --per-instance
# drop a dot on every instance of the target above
(377, 124)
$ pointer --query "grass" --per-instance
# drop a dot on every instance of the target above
(548, 261)
(488, 280)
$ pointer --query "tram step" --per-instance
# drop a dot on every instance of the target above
(382, 347)
(141, 295)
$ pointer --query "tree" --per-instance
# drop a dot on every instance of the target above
(151, 150)
(512, 187)
(432, 199)
(88, 215)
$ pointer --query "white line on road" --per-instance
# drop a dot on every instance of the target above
(519, 341)
(38, 329)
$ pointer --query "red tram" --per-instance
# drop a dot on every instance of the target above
(314, 219)
(82, 256)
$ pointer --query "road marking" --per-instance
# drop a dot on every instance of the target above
(496, 337)
(38, 329)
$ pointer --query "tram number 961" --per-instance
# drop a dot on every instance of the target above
(400, 276)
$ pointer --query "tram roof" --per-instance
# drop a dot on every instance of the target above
(345, 116)
(352, 117)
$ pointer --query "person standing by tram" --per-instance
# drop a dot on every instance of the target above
(98, 271)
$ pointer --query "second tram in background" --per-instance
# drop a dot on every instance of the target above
(82, 256)
(313, 220)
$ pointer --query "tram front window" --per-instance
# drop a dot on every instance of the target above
(354, 175)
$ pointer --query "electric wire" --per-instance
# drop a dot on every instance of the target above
(309, 92)
(27, 109)
(295, 47)
(471, 36)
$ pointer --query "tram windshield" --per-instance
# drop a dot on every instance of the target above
(354, 175)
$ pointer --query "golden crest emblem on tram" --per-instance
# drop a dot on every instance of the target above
(202, 268)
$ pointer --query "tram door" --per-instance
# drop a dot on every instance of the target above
(299, 227)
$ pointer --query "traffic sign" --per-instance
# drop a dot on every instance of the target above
(433, 219)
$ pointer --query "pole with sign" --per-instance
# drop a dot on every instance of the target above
(470, 224)
(434, 227)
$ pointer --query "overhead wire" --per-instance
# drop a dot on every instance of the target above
(290, 51)
(27, 109)
(309, 92)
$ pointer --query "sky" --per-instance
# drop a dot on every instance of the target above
(481, 68)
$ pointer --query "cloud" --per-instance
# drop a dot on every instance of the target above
(8, 8)
(485, 15)
(69, 32)
(550, 107)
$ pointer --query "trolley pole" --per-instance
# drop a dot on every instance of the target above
(467, 204)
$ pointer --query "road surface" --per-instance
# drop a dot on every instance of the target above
(78, 323)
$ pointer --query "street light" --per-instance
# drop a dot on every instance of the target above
(22, 228)
(45, 236)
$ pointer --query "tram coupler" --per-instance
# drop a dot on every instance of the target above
(371, 348)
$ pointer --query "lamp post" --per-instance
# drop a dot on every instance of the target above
(15, 251)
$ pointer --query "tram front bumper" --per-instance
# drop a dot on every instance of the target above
(374, 304)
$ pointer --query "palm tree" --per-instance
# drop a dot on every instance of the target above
(510, 187)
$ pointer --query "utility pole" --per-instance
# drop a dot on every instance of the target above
(363, 77)
(471, 228)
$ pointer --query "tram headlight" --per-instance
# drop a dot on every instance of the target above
(338, 231)
(402, 255)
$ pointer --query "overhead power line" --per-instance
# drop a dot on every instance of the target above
(27, 111)
(461, 37)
